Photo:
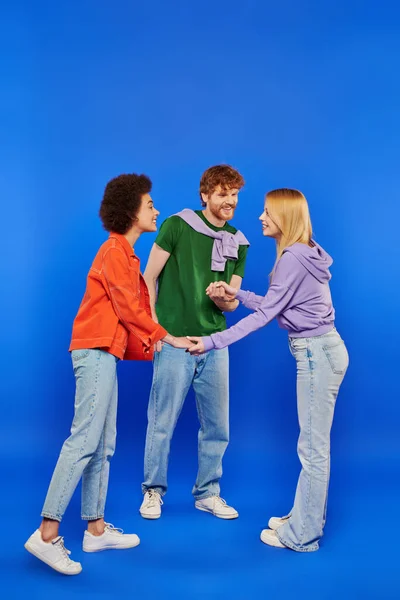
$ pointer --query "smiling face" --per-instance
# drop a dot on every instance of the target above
(221, 204)
(219, 189)
(269, 227)
(146, 217)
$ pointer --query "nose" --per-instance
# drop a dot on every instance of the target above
(261, 217)
(157, 212)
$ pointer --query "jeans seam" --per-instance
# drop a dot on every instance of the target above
(102, 466)
(73, 467)
(103, 438)
(199, 411)
(155, 409)
(214, 482)
(201, 419)
(112, 401)
(310, 401)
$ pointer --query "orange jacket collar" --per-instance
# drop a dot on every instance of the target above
(122, 239)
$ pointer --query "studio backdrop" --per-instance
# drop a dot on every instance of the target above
(301, 95)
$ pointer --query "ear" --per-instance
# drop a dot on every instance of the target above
(204, 197)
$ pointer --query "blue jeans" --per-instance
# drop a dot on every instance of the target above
(322, 362)
(89, 448)
(174, 372)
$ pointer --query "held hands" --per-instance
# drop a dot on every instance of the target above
(196, 345)
(220, 290)
(181, 342)
(217, 291)
(177, 342)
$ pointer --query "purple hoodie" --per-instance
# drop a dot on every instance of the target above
(299, 296)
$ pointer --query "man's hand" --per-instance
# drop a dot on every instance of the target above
(196, 345)
(220, 290)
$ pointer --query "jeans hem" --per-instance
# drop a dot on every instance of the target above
(155, 488)
(47, 515)
(204, 496)
(296, 548)
(94, 518)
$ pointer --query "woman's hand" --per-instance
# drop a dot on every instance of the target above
(181, 342)
(196, 345)
(220, 290)
(177, 342)
(158, 346)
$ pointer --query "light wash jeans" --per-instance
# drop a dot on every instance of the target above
(174, 372)
(322, 362)
(89, 448)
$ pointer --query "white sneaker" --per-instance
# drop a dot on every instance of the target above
(276, 522)
(151, 505)
(53, 553)
(112, 539)
(268, 536)
(218, 507)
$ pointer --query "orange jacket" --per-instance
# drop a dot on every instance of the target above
(115, 312)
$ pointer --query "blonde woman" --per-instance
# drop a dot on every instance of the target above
(299, 297)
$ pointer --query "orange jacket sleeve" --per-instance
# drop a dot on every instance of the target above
(124, 295)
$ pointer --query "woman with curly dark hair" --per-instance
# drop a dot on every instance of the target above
(113, 322)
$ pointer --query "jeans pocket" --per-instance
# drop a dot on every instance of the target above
(298, 347)
(337, 356)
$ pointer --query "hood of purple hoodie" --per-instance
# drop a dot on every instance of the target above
(315, 260)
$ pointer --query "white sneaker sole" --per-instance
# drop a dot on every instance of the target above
(149, 516)
(32, 549)
(219, 515)
(121, 547)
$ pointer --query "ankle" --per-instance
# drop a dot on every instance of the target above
(96, 527)
(49, 530)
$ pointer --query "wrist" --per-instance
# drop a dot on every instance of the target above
(208, 343)
(169, 339)
(241, 295)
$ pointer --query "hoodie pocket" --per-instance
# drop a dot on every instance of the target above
(337, 356)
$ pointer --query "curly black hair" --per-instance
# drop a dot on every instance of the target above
(121, 201)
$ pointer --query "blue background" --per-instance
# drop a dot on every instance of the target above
(302, 94)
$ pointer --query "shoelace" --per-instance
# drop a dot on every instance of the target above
(220, 500)
(153, 499)
(60, 545)
(109, 527)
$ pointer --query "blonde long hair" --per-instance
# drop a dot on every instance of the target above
(289, 211)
